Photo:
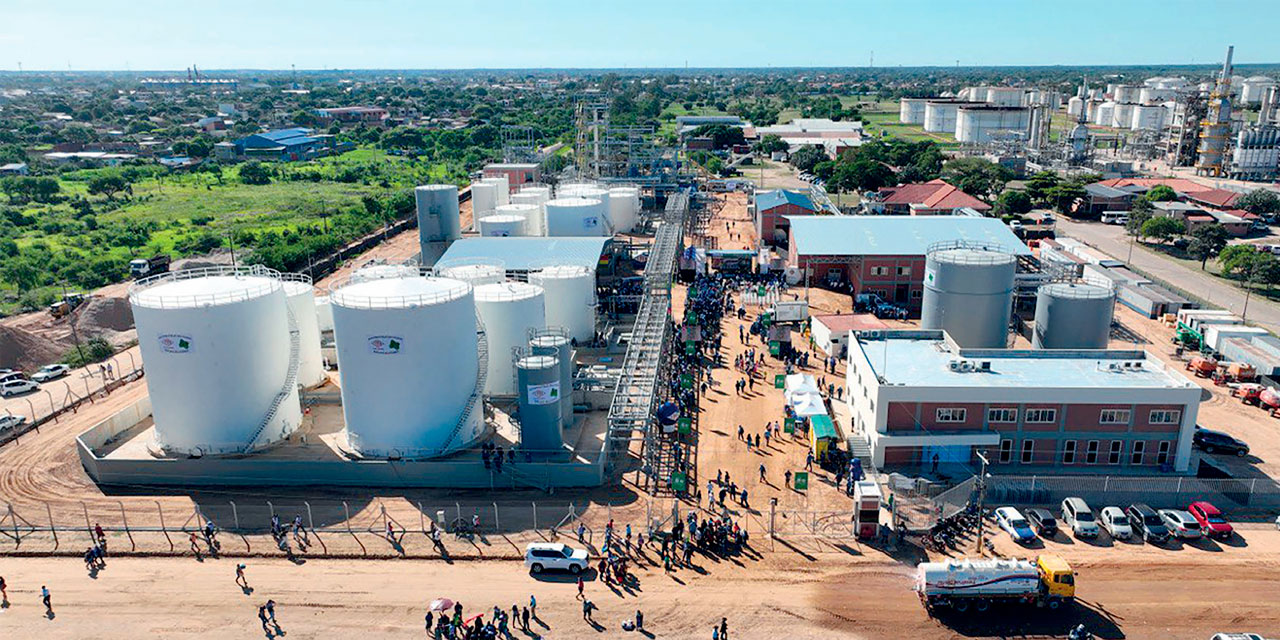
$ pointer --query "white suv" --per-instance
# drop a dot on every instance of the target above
(14, 387)
(1077, 514)
(540, 556)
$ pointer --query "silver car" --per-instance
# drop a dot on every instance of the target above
(1181, 524)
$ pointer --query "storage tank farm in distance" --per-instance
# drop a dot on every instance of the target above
(968, 292)
(508, 311)
(411, 373)
(222, 359)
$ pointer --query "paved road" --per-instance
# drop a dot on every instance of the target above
(1112, 240)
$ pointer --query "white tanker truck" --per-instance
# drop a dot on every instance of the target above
(961, 584)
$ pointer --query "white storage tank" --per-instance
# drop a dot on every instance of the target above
(502, 226)
(439, 223)
(537, 196)
(570, 217)
(301, 297)
(509, 311)
(571, 299)
(968, 292)
(1074, 315)
(484, 199)
(624, 208)
(540, 393)
(324, 313)
(502, 189)
(530, 212)
(380, 271)
(473, 271)
(218, 349)
(911, 110)
(554, 341)
(407, 353)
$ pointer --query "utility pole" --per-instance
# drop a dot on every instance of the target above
(981, 486)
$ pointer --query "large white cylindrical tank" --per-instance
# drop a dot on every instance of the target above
(502, 189)
(216, 346)
(624, 208)
(509, 310)
(407, 351)
(301, 297)
(1073, 315)
(537, 216)
(380, 271)
(591, 192)
(1075, 105)
(438, 213)
(530, 212)
(571, 299)
(968, 292)
(484, 199)
(473, 271)
(324, 313)
(569, 217)
(502, 226)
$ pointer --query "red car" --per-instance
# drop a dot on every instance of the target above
(1210, 519)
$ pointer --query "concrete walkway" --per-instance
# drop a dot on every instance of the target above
(1113, 240)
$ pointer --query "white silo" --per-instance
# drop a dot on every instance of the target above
(324, 313)
(484, 199)
(569, 217)
(502, 189)
(509, 310)
(438, 221)
(221, 357)
(410, 368)
(968, 292)
(530, 212)
(473, 271)
(502, 226)
(571, 298)
(624, 207)
(537, 216)
(300, 295)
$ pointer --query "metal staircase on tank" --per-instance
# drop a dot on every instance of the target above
(290, 379)
(477, 396)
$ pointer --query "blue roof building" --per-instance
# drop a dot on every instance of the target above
(297, 143)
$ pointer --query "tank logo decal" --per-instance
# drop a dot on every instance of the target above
(385, 344)
(174, 343)
(540, 394)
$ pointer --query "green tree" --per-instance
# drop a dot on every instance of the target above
(1207, 240)
(1259, 201)
(976, 176)
(807, 156)
(255, 172)
(21, 273)
(22, 189)
(1239, 260)
(1138, 216)
(1013, 202)
(108, 184)
(862, 174)
(1064, 194)
(1039, 184)
(722, 135)
(770, 144)
(1163, 228)
(1161, 193)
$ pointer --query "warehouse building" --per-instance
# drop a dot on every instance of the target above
(772, 209)
(917, 396)
(367, 115)
(884, 255)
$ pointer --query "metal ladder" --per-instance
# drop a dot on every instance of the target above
(477, 397)
(290, 379)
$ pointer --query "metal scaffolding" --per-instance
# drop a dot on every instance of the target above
(631, 416)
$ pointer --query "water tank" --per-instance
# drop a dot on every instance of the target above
(554, 341)
(407, 352)
(301, 298)
(1073, 315)
(540, 393)
(484, 199)
(509, 310)
(473, 271)
(624, 208)
(502, 226)
(968, 292)
(438, 221)
(571, 298)
(569, 217)
(216, 346)
(502, 189)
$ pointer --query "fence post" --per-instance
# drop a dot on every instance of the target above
(422, 522)
(272, 507)
(1252, 485)
(133, 546)
(235, 514)
(164, 529)
(1033, 486)
(88, 528)
(496, 525)
(535, 515)
(1106, 483)
(87, 391)
(311, 521)
(52, 529)
(458, 509)
(17, 536)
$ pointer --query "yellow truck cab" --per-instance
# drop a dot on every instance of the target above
(1058, 578)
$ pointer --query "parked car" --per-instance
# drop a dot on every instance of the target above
(1043, 522)
(17, 386)
(1115, 522)
(1211, 441)
(1211, 521)
(1181, 524)
(1147, 523)
(1115, 217)
(11, 421)
(10, 374)
(1079, 517)
(1016, 225)
(540, 556)
(1015, 525)
(50, 372)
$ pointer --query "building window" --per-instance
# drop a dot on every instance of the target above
(1162, 455)
(1114, 416)
(946, 414)
(1042, 415)
(1091, 452)
(1069, 452)
(1139, 450)
(1114, 456)
(879, 271)
(1166, 416)
(1002, 415)
(904, 271)
(916, 294)
(1006, 451)
(1028, 451)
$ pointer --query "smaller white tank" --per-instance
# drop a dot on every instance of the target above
(502, 226)
(502, 189)
(380, 271)
(473, 271)
(624, 208)
(324, 313)
(571, 298)
(530, 212)
(509, 311)
(484, 199)
(300, 296)
(537, 216)
(576, 217)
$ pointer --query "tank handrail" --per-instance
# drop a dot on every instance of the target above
(291, 276)
(574, 201)
(516, 206)
(558, 267)
(1092, 281)
(979, 253)
(454, 263)
(548, 332)
(365, 301)
(507, 295)
(248, 292)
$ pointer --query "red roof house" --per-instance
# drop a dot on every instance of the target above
(936, 197)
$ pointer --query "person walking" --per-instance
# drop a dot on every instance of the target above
(262, 617)
(581, 586)
(787, 476)
(757, 441)
(271, 610)
(240, 579)
(762, 472)
(4, 591)
(808, 461)
(724, 629)
(741, 431)
(587, 606)
(524, 619)
(639, 620)
(47, 600)
(195, 546)
(533, 606)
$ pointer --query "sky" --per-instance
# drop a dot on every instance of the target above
(429, 34)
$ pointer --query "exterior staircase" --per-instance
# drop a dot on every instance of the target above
(290, 380)
(859, 449)
(477, 396)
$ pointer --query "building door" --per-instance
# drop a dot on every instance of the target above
(947, 455)
(902, 294)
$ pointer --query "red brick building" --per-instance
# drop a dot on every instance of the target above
(772, 209)
(933, 198)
